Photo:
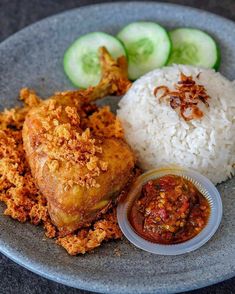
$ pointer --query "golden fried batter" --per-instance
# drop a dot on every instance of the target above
(24, 201)
(76, 167)
(81, 139)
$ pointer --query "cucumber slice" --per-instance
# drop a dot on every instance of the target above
(195, 47)
(148, 47)
(81, 60)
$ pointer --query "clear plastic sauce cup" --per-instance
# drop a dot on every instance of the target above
(203, 184)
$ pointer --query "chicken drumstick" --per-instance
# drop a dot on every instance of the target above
(79, 170)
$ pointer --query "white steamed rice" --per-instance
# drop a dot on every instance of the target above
(161, 137)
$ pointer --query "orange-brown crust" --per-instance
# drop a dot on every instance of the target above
(18, 190)
(77, 168)
(25, 203)
(79, 159)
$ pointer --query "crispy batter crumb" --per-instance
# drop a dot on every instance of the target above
(87, 239)
(17, 189)
(29, 97)
(72, 115)
(65, 141)
(104, 123)
(117, 252)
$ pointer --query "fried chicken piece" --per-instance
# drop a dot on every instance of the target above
(88, 239)
(78, 167)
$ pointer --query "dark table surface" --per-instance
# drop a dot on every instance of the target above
(16, 14)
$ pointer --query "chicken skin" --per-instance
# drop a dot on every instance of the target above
(76, 151)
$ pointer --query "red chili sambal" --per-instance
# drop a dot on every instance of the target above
(170, 210)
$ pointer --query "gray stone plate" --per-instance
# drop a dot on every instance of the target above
(33, 58)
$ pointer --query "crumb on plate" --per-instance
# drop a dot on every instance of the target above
(21, 196)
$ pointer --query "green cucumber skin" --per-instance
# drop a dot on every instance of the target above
(169, 55)
(66, 54)
(67, 51)
(124, 47)
(218, 51)
(149, 22)
(218, 61)
(171, 48)
(75, 85)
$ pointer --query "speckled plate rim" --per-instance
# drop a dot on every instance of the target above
(94, 285)
(33, 267)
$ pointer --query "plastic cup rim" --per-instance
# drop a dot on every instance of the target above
(201, 182)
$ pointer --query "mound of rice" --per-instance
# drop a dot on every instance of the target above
(161, 137)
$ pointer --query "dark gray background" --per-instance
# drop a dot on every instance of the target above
(16, 14)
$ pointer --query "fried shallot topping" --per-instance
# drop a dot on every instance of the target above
(186, 97)
(22, 198)
(67, 143)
